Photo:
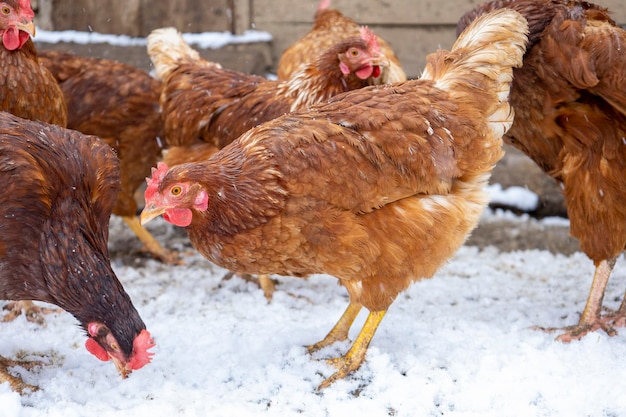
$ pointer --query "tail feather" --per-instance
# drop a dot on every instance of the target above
(167, 50)
(479, 67)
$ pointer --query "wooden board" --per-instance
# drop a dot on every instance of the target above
(388, 12)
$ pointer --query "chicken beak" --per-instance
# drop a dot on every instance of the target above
(380, 60)
(28, 27)
(150, 212)
(121, 368)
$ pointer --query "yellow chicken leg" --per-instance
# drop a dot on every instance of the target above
(355, 356)
(151, 244)
(340, 331)
(16, 383)
(267, 285)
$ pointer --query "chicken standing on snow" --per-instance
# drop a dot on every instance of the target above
(59, 188)
(570, 104)
(379, 187)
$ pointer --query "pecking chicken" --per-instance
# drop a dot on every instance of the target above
(329, 27)
(120, 104)
(378, 187)
(227, 103)
(28, 89)
(570, 118)
(59, 188)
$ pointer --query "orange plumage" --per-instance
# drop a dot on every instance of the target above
(378, 187)
(570, 104)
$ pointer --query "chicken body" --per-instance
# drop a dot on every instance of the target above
(331, 26)
(59, 189)
(28, 89)
(378, 187)
(119, 104)
(570, 118)
(227, 103)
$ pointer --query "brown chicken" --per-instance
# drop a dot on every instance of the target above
(27, 89)
(378, 187)
(331, 26)
(570, 104)
(59, 188)
(120, 104)
(227, 103)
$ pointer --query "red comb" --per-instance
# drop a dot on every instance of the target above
(141, 356)
(371, 39)
(158, 174)
(323, 5)
(26, 10)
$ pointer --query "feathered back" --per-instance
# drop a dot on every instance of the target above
(481, 63)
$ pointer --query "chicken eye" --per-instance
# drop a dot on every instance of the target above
(176, 190)
(6, 10)
(114, 346)
(354, 52)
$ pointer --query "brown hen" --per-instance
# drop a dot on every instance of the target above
(378, 187)
(59, 188)
(570, 118)
(331, 26)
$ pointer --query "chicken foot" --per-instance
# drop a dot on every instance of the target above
(591, 318)
(355, 356)
(151, 244)
(32, 312)
(16, 383)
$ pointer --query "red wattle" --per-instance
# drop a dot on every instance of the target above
(95, 349)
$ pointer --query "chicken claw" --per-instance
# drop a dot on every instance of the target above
(591, 318)
(16, 383)
(355, 356)
(32, 312)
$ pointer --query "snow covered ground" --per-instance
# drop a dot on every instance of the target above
(460, 344)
